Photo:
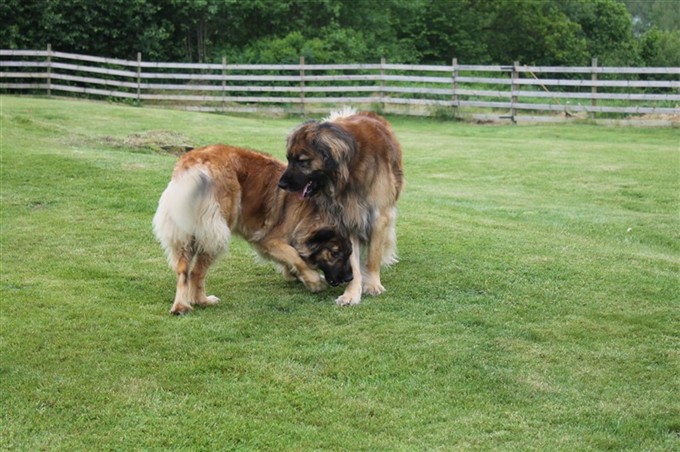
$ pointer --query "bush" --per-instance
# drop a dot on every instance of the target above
(343, 45)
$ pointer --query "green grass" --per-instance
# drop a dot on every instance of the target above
(535, 306)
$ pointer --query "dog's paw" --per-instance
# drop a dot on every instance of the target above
(313, 282)
(288, 275)
(372, 287)
(316, 286)
(209, 300)
(180, 309)
(348, 300)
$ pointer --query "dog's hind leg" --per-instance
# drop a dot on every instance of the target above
(182, 265)
(389, 256)
(352, 294)
(197, 280)
(381, 237)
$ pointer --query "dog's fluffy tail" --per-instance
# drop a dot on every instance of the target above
(341, 113)
(189, 220)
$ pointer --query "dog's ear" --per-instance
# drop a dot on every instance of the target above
(303, 133)
(314, 242)
(321, 236)
(335, 144)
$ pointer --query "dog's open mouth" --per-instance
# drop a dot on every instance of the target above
(308, 190)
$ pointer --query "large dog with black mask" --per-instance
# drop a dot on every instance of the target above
(350, 164)
(219, 190)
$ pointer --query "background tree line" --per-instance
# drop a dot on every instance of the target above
(541, 32)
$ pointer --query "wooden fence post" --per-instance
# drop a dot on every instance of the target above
(454, 86)
(382, 84)
(302, 84)
(139, 78)
(224, 83)
(49, 70)
(513, 94)
(593, 90)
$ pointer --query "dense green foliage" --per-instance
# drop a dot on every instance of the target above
(549, 32)
(535, 306)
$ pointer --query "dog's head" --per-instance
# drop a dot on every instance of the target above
(329, 251)
(317, 155)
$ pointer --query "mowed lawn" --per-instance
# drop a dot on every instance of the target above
(535, 307)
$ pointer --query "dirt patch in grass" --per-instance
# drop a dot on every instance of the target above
(675, 119)
(158, 141)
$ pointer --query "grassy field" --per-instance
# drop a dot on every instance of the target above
(535, 306)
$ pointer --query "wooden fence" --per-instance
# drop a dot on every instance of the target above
(515, 91)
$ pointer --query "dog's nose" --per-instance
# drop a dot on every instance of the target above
(283, 184)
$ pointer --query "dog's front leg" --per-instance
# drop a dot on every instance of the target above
(289, 257)
(352, 293)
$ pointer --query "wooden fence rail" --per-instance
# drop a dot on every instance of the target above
(456, 89)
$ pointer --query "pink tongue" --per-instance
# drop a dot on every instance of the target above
(303, 193)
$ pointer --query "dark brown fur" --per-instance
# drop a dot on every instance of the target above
(351, 166)
(219, 190)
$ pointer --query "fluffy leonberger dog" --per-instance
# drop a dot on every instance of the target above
(350, 165)
(219, 190)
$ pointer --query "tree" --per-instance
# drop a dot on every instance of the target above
(547, 32)
(534, 32)
(442, 30)
(607, 27)
(325, 32)
(117, 28)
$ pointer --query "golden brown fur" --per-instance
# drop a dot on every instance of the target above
(351, 166)
(219, 190)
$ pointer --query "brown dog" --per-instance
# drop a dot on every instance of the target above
(219, 190)
(350, 165)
